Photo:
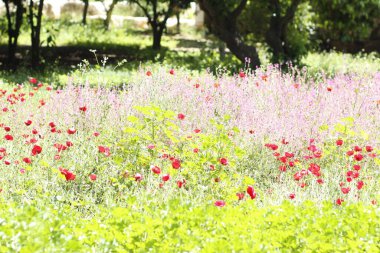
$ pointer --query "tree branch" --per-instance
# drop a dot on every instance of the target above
(290, 12)
(144, 9)
(235, 13)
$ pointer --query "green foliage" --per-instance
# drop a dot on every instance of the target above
(255, 22)
(346, 20)
(183, 227)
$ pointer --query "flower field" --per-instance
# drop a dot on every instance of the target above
(262, 161)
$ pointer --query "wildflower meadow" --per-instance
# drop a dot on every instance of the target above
(259, 161)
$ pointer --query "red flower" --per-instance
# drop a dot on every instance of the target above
(282, 168)
(339, 201)
(197, 130)
(271, 146)
(360, 185)
(181, 183)
(156, 170)
(148, 73)
(68, 174)
(223, 161)
(165, 177)
(104, 150)
(345, 190)
(69, 143)
(71, 131)
(339, 142)
(83, 108)
(33, 80)
(292, 195)
(358, 157)
(297, 176)
(368, 148)
(92, 177)
(7, 128)
(350, 152)
(8, 137)
(251, 192)
(240, 195)
(171, 72)
(329, 88)
(219, 203)
(27, 160)
(242, 74)
(176, 164)
(181, 116)
(357, 167)
(357, 149)
(138, 177)
(28, 122)
(320, 181)
(51, 124)
(36, 150)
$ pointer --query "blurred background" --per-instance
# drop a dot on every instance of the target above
(59, 38)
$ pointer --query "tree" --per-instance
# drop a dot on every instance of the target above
(345, 21)
(157, 12)
(35, 20)
(222, 16)
(109, 11)
(276, 36)
(85, 10)
(13, 27)
(178, 7)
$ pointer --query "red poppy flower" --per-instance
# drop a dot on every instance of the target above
(339, 142)
(223, 161)
(181, 116)
(8, 137)
(345, 190)
(92, 177)
(165, 177)
(292, 195)
(251, 192)
(358, 157)
(36, 150)
(339, 202)
(71, 131)
(240, 195)
(360, 185)
(219, 203)
(176, 164)
(156, 170)
(138, 177)
(68, 174)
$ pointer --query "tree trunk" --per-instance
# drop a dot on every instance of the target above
(13, 33)
(223, 23)
(276, 36)
(157, 35)
(177, 14)
(85, 9)
(35, 32)
(107, 21)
